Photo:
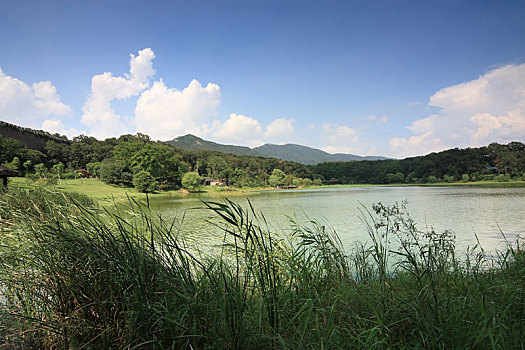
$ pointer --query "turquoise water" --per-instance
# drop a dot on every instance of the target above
(464, 210)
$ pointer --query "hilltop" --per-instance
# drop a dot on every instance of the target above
(292, 152)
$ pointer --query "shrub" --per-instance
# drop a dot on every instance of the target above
(191, 181)
(144, 182)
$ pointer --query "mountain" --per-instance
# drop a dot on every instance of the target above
(33, 139)
(194, 143)
(307, 155)
(296, 153)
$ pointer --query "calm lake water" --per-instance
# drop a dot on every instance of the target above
(464, 210)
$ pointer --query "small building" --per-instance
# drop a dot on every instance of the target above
(5, 173)
(209, 181)
(82, 172)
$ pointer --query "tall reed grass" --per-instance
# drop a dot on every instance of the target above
(76, 277)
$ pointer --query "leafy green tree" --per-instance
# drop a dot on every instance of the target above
(27, 166)
(399, 177)
(41, 170)
(15, 163)
(93, 168)
(191, 181)
(144, 182)
(58, 169)
(465, 177)
(448, 178)
(111, 170)
(432, 179)
(278, 178)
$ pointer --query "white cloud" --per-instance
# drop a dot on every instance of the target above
(56, 126)
(238, 128)
(340, 139)
(503, 128)
(380, 120)
(141, 66)
(336, 133)
(254, 143)
(416, 145)
(280, 129)
(165, 113)
(29, 105)
(488, 109)
(337, 149)
(98, 115)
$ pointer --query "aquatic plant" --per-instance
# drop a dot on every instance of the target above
(75, 276)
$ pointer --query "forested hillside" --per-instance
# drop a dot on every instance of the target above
(291, 152)
(34, 139)
(493, 162)
(191, 142)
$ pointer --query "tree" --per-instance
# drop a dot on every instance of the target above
(111, 170)
(27, 166)
(15, 164)
(58, 169)
(93, 168)
(41, 170)
(399, 177)
(277, 178)
(465, 177)
(432, 179)
(191, 181)
(144, 182)
(448, 178)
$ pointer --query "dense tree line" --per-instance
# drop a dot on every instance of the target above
(495, 161)
(118, 160)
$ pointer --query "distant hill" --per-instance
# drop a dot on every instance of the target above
(308, 155)
(33, 139)
(192, 142)
(296, 153)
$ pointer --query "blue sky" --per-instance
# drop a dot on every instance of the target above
(395, 78)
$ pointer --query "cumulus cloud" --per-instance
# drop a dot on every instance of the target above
(164, 113)
(503, 128)
(29, 105)
(280, 129)
(416, 145)
(488, 109)
(56, 126)
(340, 139)
(98, 115)
(336, 133)
(238, 128)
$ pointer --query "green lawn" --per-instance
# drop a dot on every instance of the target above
(107, 194)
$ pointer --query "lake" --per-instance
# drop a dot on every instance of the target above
(464, 210)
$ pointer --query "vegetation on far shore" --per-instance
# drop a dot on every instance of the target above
(76, 277)
(106, 194)
(162, 167)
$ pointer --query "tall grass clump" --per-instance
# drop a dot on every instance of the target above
(75, 276)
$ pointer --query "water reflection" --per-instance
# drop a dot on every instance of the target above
(464, 210)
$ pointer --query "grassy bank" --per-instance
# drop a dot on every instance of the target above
(105, 194)
(73, 276)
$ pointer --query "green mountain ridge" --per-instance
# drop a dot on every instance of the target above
(293, 152)
(192, 142)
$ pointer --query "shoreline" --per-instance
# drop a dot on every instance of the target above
(104, 193)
